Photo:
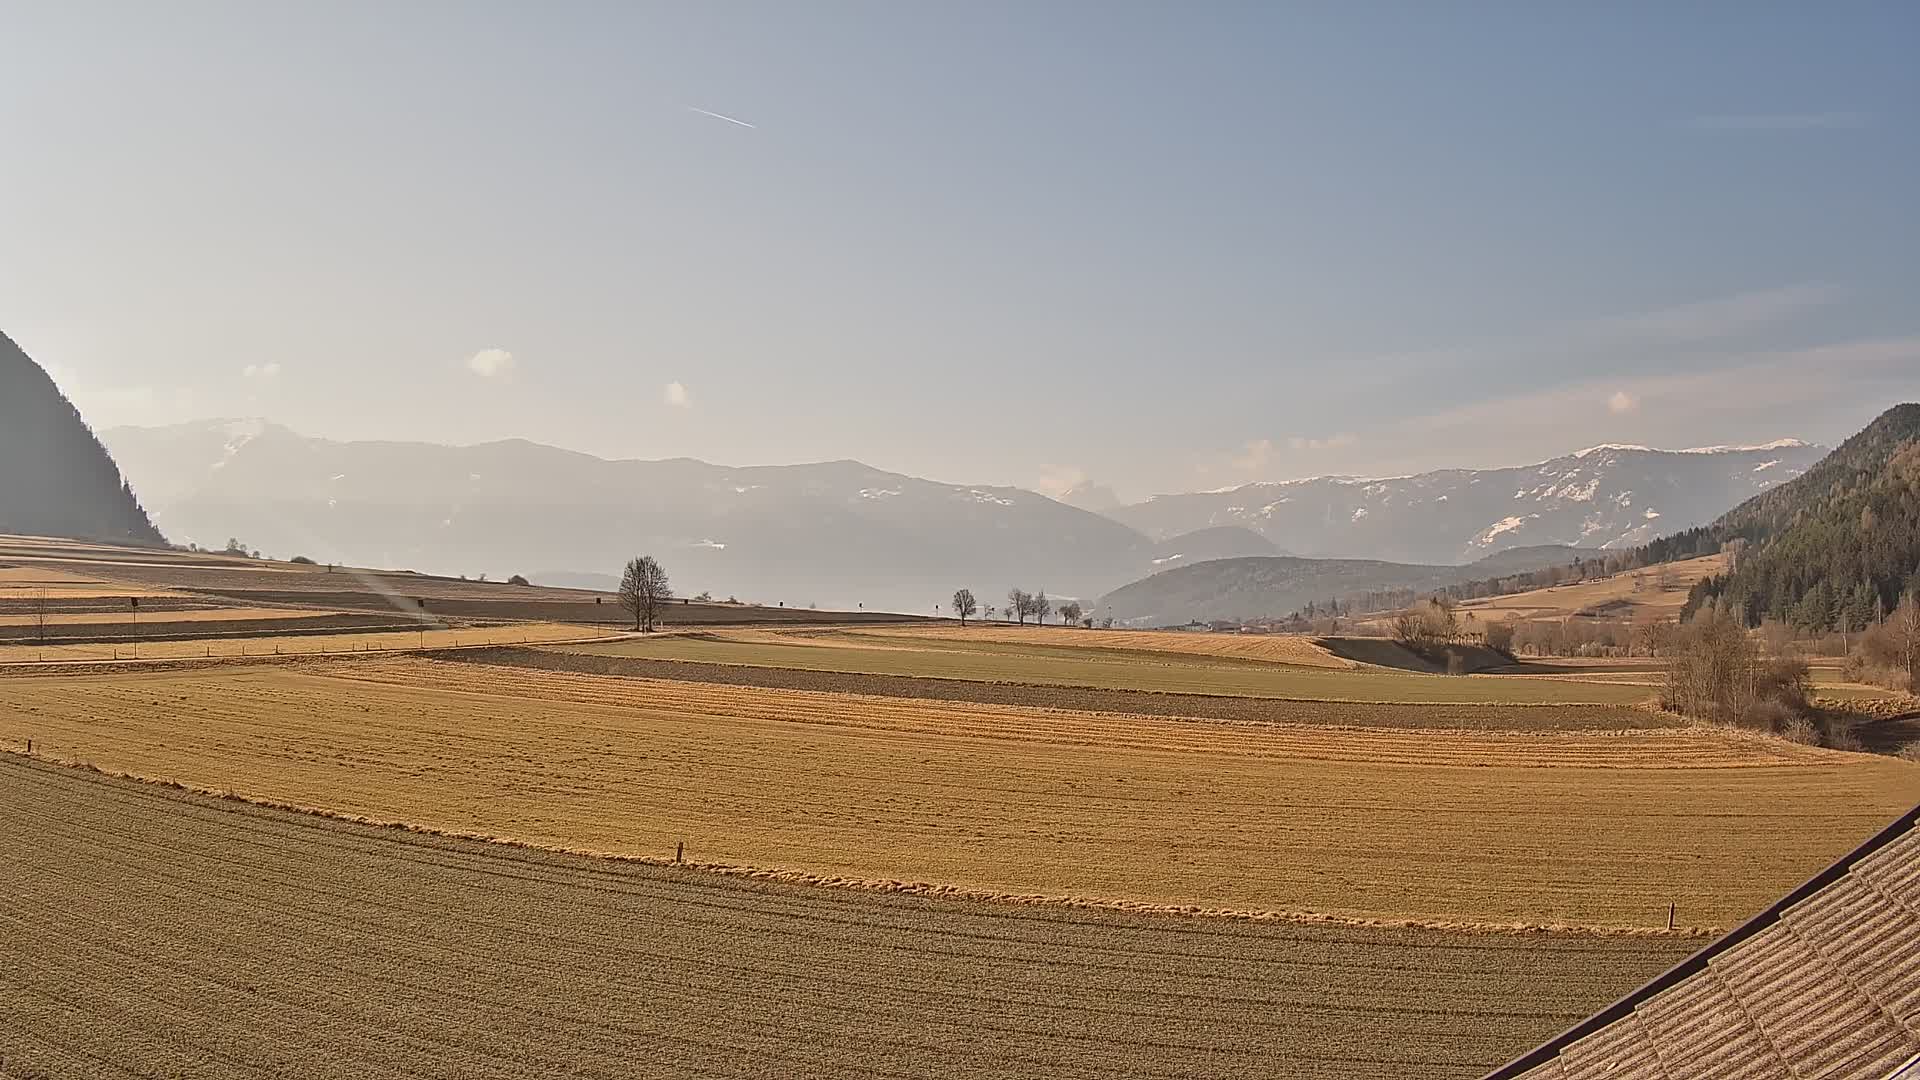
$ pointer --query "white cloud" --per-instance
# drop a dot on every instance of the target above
(1622, 403)
(1255, 454)
(1060, 479)
(676, 395)
(491, 363)
(260, 371)
(1331, 442)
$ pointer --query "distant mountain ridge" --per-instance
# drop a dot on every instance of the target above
(835, 533)
(1609, 496)
(56, 479)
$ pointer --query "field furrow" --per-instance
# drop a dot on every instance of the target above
(155, 931)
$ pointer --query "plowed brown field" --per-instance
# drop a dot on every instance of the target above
(151, 932)
(1581, 828)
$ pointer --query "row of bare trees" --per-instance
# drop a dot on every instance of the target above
(1021, 606)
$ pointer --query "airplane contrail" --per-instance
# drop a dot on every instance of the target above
(718, 116)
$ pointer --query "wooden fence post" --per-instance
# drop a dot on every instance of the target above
(680, 852)
(1670, 910)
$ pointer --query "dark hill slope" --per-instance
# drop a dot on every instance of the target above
(1271, 587)
(1836, 545)
(55, 477)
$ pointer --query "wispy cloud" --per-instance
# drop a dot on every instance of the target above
(268, 370)
(1783, 383)
(1060, 479)
(718, 116)
(1727, 316)
(675, 394)
(491, 363)
(1331, 442)
(1254, 455)
(1822, 121)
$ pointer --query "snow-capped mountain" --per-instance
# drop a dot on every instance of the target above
(836, 533)
(1603, 496)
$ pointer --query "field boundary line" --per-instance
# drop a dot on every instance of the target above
(916, 888)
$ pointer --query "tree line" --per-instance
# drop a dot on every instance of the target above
(1021, 606)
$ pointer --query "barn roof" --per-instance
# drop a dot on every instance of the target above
(1825, 983)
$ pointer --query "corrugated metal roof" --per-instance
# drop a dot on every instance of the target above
(1825, 983)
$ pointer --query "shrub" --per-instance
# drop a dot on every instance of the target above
(1775, 717)
(1500, 638)
(302, 560)
(518, 580)
(1786, 679)
(1801, 730)
(1840, 736)
(1910, 752)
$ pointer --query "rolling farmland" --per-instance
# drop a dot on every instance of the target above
(910, 849)
(1081, 660)
(1537, 828)
(155, 932)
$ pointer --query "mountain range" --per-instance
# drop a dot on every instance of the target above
(845, 534)
(837, 534)
(55, 477)
(1602, 497)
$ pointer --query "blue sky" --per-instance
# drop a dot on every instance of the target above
(1162, 247)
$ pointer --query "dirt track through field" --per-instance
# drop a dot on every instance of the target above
(1086, 698)
(1533, 828)
(150, 932)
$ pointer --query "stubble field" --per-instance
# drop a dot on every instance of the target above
(1595, 829)
(152, 932)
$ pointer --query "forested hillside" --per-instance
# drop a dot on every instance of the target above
(1836, 547)
(55, 477)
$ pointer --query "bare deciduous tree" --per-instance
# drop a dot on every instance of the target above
(643, 588)
(964, 605)
(1906, 629)
(1041, 607)
(1070, 612)
(1019, 604)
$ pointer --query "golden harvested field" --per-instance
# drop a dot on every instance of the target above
(297, 644)
(1068, 660)
(153, 932)
(1576, 828)
(200, 615)
(1294, 649)
(30, 582)
(1657, 590)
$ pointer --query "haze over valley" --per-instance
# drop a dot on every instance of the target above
(844, 534)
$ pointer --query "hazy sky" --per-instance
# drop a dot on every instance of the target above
(1163, 246)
